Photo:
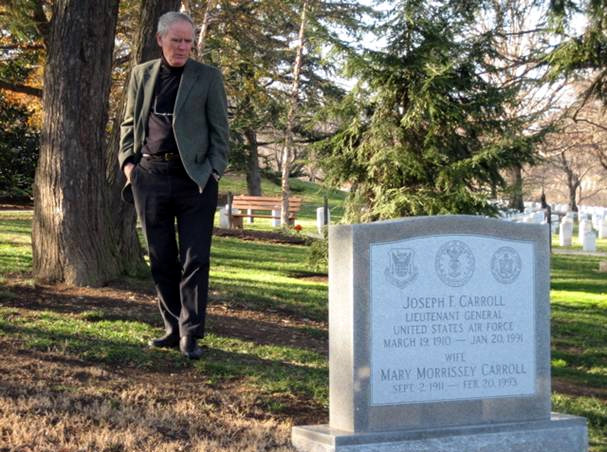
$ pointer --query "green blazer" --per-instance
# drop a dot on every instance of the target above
(200, 121)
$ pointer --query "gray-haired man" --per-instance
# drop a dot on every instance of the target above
(173, 150)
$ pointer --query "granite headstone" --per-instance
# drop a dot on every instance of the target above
(439, 339)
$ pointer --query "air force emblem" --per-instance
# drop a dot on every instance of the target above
(401, 270)
(454, 263)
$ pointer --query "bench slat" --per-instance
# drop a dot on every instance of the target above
(244, 215)
(264, 200)
(254, 207)
(262, 203)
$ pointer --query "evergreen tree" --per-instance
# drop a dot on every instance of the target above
(19, 145)
(23, 41)
(580, 52)
(425, 131)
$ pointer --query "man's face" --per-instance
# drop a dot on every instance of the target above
(177, 43)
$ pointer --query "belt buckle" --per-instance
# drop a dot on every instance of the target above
(167, 156)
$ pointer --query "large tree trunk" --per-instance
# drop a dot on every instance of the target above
(516, 197)
(70, 233)
(253, 174)
(288, 146)
(123, 215)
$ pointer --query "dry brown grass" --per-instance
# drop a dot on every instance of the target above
(53, 403)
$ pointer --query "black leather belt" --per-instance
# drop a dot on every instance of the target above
(165, 156)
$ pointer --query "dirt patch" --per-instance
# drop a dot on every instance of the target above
(566, 387)
(16, 203)
(313, 277)
(266, 236)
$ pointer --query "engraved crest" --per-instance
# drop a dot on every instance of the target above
(454, 263)
(506, 265)
(401, 270)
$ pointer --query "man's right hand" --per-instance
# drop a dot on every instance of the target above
(128, 170)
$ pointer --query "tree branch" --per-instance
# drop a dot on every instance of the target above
(592, 123)
(22, 47)
(18, 88)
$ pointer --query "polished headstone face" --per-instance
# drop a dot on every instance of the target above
(452, 318)
(438, 321)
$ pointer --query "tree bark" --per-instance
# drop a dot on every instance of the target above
(573, 184)
(516, 198)
(122, 215)
(253, 174)
(70, 233)
(288, 147)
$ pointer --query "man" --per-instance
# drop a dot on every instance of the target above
(173, 150)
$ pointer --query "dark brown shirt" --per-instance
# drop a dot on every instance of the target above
(159, 136)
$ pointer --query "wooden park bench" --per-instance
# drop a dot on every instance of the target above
(258, 207)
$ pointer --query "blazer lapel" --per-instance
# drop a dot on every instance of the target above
(149, 81)
(188, 78)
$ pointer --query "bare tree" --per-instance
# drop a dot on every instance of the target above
(516, 26)
(573, 159)
(294, 100)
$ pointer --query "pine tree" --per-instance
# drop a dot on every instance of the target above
(424, 132)
(580, 52)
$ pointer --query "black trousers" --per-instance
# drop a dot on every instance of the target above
(164, 195)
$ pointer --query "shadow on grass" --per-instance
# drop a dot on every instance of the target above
(87, 346)
(273, 376)
(577, 273)
(40, 298)
(299, 300)
(579, 334)
(124, 306)
(260, 256)
(16, 226)
(267, 333)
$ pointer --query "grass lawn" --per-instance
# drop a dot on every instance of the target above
(75, 373)
(579, 342)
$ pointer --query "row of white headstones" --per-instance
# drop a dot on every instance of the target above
(591, 219)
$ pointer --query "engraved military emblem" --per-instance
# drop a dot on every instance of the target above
(401, 270)
(454, 263)
(506, 265)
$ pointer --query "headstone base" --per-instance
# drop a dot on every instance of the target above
(562, 433)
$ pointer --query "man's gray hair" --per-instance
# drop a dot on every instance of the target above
(168, 19)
